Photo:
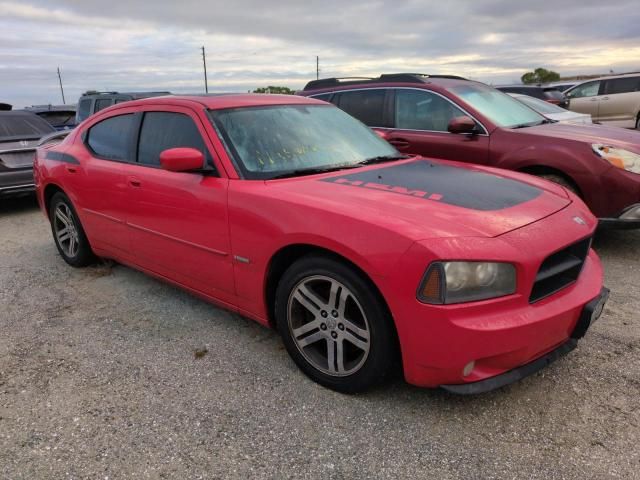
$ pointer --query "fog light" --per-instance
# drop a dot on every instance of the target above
(468, 368)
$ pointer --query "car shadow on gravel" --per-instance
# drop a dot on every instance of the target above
(17, 205)
(619, 243)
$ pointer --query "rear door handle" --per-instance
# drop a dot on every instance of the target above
(594, 99)
(398, 142)
(606, 98)
(71, 169)
(134, 182)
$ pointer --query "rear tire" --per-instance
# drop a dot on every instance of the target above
(334, 326)
(638, 122)
(68, 234)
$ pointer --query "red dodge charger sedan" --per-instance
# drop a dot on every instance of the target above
(289, 211)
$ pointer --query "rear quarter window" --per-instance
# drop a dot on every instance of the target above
(111, 138)
(365, 105)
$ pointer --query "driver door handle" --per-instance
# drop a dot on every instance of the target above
(134, 182)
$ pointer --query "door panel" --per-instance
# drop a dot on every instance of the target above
(421, 119)
(177, 221)
(585, 98)
(179, 227)
(98, 180)
(620, 101)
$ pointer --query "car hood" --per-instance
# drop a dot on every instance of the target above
(429, 199)
(615, 136)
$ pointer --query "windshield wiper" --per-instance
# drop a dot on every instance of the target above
(541, 122)
(382, 158)
(312, 171)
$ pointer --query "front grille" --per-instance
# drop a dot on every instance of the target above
(560, 270)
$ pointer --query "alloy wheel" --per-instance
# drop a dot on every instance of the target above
(66, 231)
(328, 325)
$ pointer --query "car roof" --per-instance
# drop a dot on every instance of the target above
(385, 80)
(223, 101)
(134, 95)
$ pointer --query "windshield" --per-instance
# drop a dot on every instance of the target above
(498, 107)
(540, 106)
(267, 142)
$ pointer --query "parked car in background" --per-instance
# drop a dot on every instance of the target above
(548, 94)
(5, 107)
(562, 86)
(61, 117)
(239, 198)
(91, 102)
(613, 100)
(457, 119)
(20, 133)
(552, 111)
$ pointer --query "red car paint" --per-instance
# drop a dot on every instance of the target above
(217, 237)
(546, 149)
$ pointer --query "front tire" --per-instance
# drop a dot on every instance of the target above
(68, 234)
(334, 325)
(560, 180)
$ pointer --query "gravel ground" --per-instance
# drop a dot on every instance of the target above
(103, 374)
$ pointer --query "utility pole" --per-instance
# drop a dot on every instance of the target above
(317, 67)
(204, 63)
(61, 89)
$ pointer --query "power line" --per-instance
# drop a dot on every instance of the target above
(204, 63)
(61, 89)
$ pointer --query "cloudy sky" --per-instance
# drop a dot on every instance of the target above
(143, 45)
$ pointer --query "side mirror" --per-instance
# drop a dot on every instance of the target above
(463, 124)
(181, 159)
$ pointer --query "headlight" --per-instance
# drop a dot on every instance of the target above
(457, 282)
(618, 157)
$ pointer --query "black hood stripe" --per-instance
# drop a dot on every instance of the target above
(461, 187)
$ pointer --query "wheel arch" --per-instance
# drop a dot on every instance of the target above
(538, 170)
(49, 191)
(288, 254)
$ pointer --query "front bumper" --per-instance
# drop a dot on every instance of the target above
(628, 219)
(475, 341)
(590, 314)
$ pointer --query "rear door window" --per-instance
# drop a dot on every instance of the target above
(111, 138)
(622, 85)
(163, 130)
(422, 110)
(365, 105)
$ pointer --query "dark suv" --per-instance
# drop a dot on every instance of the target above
(91, 102)
(453, 118)
(548, 94)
